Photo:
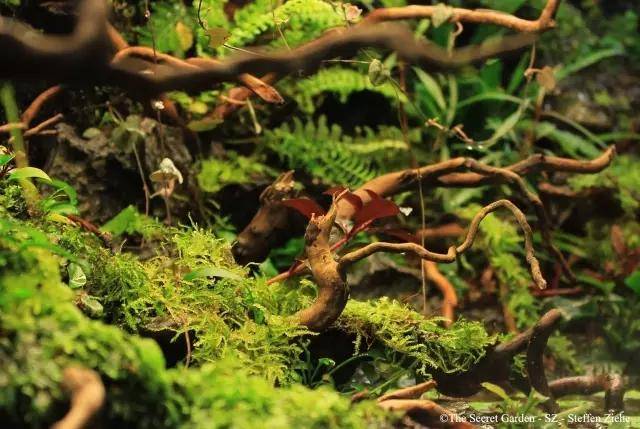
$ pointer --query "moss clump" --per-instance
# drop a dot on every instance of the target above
(43, 332)
(433, 347)
(193, 285)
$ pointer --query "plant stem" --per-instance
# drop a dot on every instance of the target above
(8, 100)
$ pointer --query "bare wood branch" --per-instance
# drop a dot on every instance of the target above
(479, 16)
(87, 397)
(451, 255)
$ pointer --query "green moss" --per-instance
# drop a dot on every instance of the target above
(432, 346)
(622, 175)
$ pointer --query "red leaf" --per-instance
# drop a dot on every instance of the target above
(351, 198)
(377, 208)
(305, 206)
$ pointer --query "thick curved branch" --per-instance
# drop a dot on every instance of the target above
(144, 75)
(451, 255)
(479, 16)
(87, 397)
(449, 296)
(27, 53)
(612, 385)
(333, 291)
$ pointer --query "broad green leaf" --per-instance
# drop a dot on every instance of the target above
(29, 173)
(211, 272)
(432, 87)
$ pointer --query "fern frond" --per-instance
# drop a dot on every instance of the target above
(324, 151)
(340, 81)
(300, 21)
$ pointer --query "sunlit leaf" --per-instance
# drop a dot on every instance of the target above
(185, 35)
(29, 173)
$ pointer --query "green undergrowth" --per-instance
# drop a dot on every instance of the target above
(243, 342)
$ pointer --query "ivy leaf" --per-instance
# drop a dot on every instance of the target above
(378, 73)
(29, 172)
(211, 271)
(377, 208)
(77, 277)
(218, 36)
(441, 14)
(307, 207)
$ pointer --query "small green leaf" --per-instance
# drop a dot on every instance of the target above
(493, 388)
(27, 173)
(5, 158)
(633, 282)
(77, 277)
(211, 272)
